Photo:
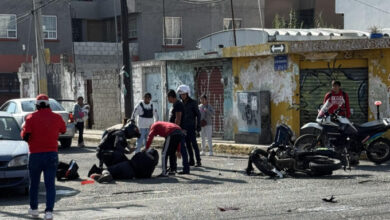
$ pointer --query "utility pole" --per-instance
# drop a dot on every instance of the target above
(39, 48)
(127, 76)
(234, 23)
(260, 14)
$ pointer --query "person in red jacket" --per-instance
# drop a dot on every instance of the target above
(174, 141)
(338, 98)
(41, 131)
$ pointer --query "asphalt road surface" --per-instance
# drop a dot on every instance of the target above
(218, 190)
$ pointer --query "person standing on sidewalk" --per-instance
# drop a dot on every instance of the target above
(174, 140)
(206, 122)
(79, 118)
(190, 123)
(147, 115)
(41, 131)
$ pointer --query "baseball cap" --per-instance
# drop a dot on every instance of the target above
(42, 98)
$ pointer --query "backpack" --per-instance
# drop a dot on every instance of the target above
(67, 171)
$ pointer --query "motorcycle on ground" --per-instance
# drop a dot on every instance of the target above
(281, 157)
(339, 134)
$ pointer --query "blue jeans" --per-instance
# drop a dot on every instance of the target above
(141, 141)
(47, 163)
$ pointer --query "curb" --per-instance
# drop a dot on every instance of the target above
(217, 148)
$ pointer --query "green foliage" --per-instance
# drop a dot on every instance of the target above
(292, 21)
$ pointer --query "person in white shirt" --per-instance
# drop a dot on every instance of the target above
(147, 115)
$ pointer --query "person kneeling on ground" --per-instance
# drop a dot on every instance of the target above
(140, 166)
(174, 141)
(112, 148)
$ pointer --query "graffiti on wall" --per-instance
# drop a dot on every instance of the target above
(315, 83)
(248, 106)
(209, 84)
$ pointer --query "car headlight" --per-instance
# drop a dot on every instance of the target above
(18, 161)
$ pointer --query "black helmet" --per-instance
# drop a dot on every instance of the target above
(131, 130)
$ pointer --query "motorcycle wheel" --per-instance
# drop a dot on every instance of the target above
(305, 142)
(260, 158)
(322, 165)
(379, 151)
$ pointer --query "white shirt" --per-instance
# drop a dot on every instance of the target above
(144, 122)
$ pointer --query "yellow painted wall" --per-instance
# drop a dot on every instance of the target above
(257, 73)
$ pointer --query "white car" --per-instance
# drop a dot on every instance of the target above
(13, 155)
(20, 108)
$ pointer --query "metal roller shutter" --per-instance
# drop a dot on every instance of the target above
(315, 83)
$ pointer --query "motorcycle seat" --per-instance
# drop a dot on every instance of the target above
(371, 126)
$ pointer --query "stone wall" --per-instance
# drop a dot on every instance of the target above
(106, 98)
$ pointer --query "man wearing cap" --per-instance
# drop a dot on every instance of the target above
(191, 123)
(41, 131)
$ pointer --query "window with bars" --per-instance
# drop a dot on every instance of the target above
(49, 26)
(8, 26)
(228, 23)
(173, 31)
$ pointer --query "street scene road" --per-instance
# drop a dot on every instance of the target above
(218, 190)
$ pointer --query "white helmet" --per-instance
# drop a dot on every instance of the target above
(183, 89)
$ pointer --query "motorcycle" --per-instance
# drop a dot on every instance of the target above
(338, 133)
(281, 157)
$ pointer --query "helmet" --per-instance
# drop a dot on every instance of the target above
(183, 89)
(131, 130)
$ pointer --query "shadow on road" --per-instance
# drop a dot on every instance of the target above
(13, 197)
(213, 180)
(375, 168)
(76, 150)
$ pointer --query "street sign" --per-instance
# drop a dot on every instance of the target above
(278, 48)
(280, 62)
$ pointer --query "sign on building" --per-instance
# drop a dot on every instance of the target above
(280, 62)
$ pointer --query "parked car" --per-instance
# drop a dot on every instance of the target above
(20, 108)
(13, 154)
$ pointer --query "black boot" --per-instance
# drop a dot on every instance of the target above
(95, 169)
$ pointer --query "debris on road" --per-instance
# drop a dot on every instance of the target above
(228, 209)
(331, 199)
(87, 182)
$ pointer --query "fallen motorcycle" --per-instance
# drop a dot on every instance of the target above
(281, 157)
(337, 133)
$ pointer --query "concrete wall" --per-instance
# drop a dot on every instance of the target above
(182, 72)
(197, 21)
(358, 16)
(106, 98)
(257, 74)
(20, 7)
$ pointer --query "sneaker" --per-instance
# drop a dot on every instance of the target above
(105, 178)
(183, 172)
(163, 175)
(171, 173)
(198, 164)
(191, 163)
(33, 212)
(94, 169)
(202, 153)
(211, 153)
(48, 216)
(81, 144)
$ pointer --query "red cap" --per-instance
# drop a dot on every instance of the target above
(42, 98)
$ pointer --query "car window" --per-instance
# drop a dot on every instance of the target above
(4, 107)
(11, 107)
(9, 129)
(29, 106)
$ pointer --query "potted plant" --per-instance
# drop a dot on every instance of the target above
(375, 32)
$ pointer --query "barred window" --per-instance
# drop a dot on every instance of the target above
(8, 26)
(49, 26)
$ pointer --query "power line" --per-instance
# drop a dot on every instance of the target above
(372, 6)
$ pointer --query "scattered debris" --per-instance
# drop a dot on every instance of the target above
(87, 182)
(331, 199)
(220, 174)
(289, 210)
(228, 209)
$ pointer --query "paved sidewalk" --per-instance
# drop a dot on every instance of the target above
(219, 145)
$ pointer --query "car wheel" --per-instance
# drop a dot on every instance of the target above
(66, 143)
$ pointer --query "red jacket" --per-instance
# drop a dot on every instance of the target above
(163, 129)
(337, 99)
(44, 127)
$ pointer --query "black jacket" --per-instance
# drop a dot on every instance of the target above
(191, 119)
